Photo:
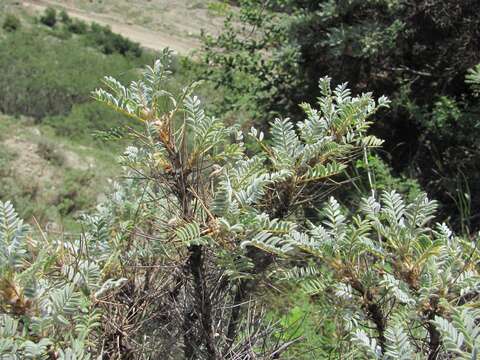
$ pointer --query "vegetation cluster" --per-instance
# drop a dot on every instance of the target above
(305, 233)
(418, 53)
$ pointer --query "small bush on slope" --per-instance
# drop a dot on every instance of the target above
(49, 18)
(11, 23)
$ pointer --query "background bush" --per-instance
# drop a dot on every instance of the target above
(77, 26)
(49, 17)
(110, 43)
(415, 52)
(11, 23)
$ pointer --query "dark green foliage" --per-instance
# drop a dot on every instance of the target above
(49, 17)
(97, 35)
(77, 27)
(102, 37)
(110, 42)
(11, 23)
(415, 52)
(64, 17)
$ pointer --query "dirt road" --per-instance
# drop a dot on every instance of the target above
(177, 27)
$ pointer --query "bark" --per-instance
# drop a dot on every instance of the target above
(203, 304)
(433, 334)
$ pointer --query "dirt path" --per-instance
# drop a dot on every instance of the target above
(180, 32)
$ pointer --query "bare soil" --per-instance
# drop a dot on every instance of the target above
(155, 24)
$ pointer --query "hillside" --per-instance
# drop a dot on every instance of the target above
(58, 148)
(50, 177)
(154, 24)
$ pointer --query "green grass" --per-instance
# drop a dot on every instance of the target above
(49, 177)
(57, 72)
(309, 322)
(52, 167)
(54, 159)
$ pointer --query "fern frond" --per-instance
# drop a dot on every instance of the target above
(321, 171)
(299, 273)
(342, 93)
(473, 79)
(393, 285)
(452, 339)
(286, 144)
(420, 212)
(254, 190)
(318, 241)
(314, 287)
(344, 291)
(393, 208)
(269, 243)
(208, 132)
(367, 345)
(63, 302)
(8, 326)
(190, 234)
(335, 220)
(37, 350)
(222, 201)
(371, 141)
(398, 346)
(12, 235)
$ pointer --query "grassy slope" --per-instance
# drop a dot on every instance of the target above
(155, 24)
(176, 17)
(49, 176)
(51, 165)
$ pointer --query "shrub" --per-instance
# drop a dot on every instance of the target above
(217, 222)
(74, 195)
(397, 277)
(48, 151)
(11, 23)
(77, 27)
(64, 17)
(49, 17)
(182, 252)
(109, 42)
